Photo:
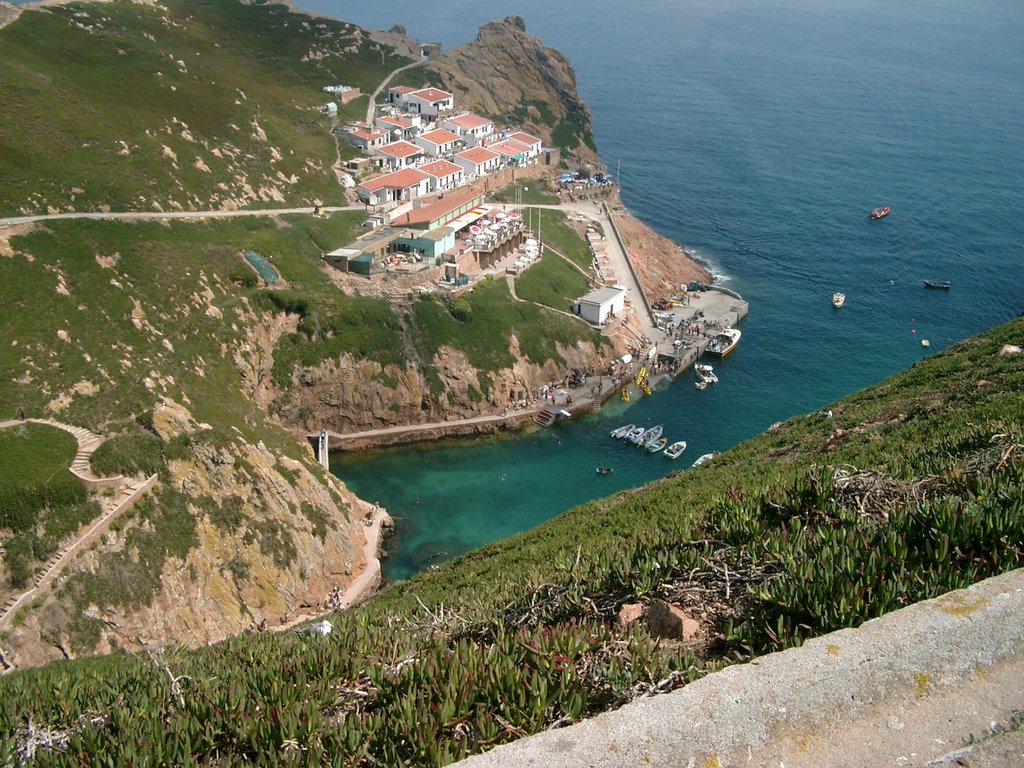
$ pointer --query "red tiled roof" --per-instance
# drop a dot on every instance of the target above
(400, 149)
(439, 136)
(408, 177)
(478, 155)
(525, 138)
(432, 94)
(362, 133)
(469, 121)
(509, 147)
(402, 89)
(440, 168)
(437, 210)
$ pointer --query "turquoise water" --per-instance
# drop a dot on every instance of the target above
(758, 136)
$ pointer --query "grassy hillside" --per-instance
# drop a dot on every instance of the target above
(191, 105)
(911, 488)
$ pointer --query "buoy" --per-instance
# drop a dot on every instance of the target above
(925, 343)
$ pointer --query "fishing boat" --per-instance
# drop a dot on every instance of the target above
(621, 432)
(724, 342)
(675, 450)
(658, 445)
(880, 213)
(649, 436)
(838, 299)
(603, 470)
(702, 460)
(943, 284)
(634, 434)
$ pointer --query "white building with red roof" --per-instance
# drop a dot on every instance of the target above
(423, 101)
(397, 155)
(511, 151)
(406, 184)
(478, 161)
(367, 139)
(444, 175)
(397, 94)
(532, 142)
(406, 126)
(472, 128)
(439, 142)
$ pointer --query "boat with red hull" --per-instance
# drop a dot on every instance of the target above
(880, 213)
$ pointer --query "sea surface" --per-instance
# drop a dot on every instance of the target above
(758, 135)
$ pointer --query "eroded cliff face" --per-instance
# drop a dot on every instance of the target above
(349, 395)
(513, 77)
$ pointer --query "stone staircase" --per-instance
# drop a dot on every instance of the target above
(546, 417)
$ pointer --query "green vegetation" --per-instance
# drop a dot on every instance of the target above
(485, 331)
(921, 490)
(527, 191)
(552, 282)
(219, 95)
(40, 500)
(557, 233)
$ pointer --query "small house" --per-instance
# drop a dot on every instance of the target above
(597, 306)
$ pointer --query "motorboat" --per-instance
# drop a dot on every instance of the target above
(633, 435)
(724, 342)
(621, 432)
(649, 436)
(701, 384)
(702, 460)
(658, 445)
(603, 470)
(880, 213)
(838, 299)
(705, 374)
(675, 450)
(943, 284)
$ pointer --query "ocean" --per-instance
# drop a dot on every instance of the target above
(758, 136)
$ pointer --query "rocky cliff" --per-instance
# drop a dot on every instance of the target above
(511, 76)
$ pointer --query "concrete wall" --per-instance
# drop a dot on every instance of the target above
(912, 688)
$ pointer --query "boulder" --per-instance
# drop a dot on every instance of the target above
(670, 621)
(630, 612)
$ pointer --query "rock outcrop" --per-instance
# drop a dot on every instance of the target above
(511, 76)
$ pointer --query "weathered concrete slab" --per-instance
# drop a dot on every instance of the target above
(911, 688)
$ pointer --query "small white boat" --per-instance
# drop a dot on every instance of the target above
(658, 445)
(701, 460)
(621, 432)
(634, 434)
(675, 450)
(838, 299)
(649, 436)
(705, 374)
(564, 414)
(701, 384)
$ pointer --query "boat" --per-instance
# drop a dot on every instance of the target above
(602, 470)
(564, 414)
(634, 434)
(621, 432)
(675, 450)
(701, 384)
(943, 284)
(724, 342)
(838, 299)
(701, 460)
(649, 436)
(705, 375)
(880, 213)
(658, 445)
